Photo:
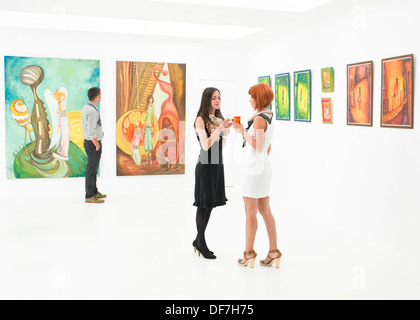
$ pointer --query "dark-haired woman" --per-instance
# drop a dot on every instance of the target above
(212, 130)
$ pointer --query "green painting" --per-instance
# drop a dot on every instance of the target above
(283, 96)
(43, 99)
(266, 80)
(303, 96)
(327, 79)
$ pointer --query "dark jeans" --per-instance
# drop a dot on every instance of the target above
(94, 157)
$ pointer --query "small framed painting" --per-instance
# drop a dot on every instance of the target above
(327, 79)
(326, 111)
(266, 80)
(303, 95)
(282, 94)
(397, 92)
(360, 94)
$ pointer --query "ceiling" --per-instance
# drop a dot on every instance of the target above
(194, 19)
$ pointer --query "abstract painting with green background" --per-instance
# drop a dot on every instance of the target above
(266, 80)
(303, 103)
(43, 102)
(283, 96)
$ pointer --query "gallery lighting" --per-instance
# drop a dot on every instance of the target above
(122, 26)
(272, 5)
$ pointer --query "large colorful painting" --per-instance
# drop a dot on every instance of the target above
(266, 80)
(303, 95)
(283, 96)
(397, 92)
(150, 118)
(44, 98)
(359, 93)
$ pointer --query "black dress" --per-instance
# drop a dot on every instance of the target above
(210, 176)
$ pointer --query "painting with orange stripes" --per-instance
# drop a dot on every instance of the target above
(397, 92)
(150, 118)
(359, 94)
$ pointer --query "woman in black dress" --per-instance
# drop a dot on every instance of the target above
(212, 130)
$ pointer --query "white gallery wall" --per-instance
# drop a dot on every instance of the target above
(363, 181)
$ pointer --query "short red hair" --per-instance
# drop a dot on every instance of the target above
(262, 94)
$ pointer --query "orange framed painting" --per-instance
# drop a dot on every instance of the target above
(151, 113)
(326, 111)
(360, 94)
(397, 106)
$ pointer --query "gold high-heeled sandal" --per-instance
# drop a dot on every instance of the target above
(250, 261)
(275, 261)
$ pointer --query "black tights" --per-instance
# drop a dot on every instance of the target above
(202, 219)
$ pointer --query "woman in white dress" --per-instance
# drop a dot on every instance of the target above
(255, 187)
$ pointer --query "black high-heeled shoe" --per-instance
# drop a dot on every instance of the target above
(195, 247)
(206, 253)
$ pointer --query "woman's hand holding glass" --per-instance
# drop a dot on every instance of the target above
(224, 127)
(239, 128)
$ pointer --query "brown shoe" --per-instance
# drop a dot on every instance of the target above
(249, 258)
(94, 200)
(100, 196)
(272, 260)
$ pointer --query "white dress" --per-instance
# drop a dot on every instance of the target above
(256, 167)
(62, 151)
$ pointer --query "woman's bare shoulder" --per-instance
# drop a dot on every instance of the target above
(199, 122)
(260, 123)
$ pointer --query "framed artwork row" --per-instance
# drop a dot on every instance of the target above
(397, 93)
(302, 86)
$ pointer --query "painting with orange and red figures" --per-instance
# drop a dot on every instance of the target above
(397, 92)
(326, 111)
(150, 118)
(359, 93)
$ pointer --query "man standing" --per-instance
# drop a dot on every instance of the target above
(92, 133)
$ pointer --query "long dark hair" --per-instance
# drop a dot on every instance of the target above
(204, 111)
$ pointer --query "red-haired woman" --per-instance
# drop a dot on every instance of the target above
(257, 175)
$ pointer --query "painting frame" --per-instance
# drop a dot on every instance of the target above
(350, 97)
(408, 83)
(44, 98)
(277, 78)
(150, 118)
(266, 80)
(308, 94)
(326, 103)
(327, 80)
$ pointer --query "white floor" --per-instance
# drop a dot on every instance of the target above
(139, 247)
